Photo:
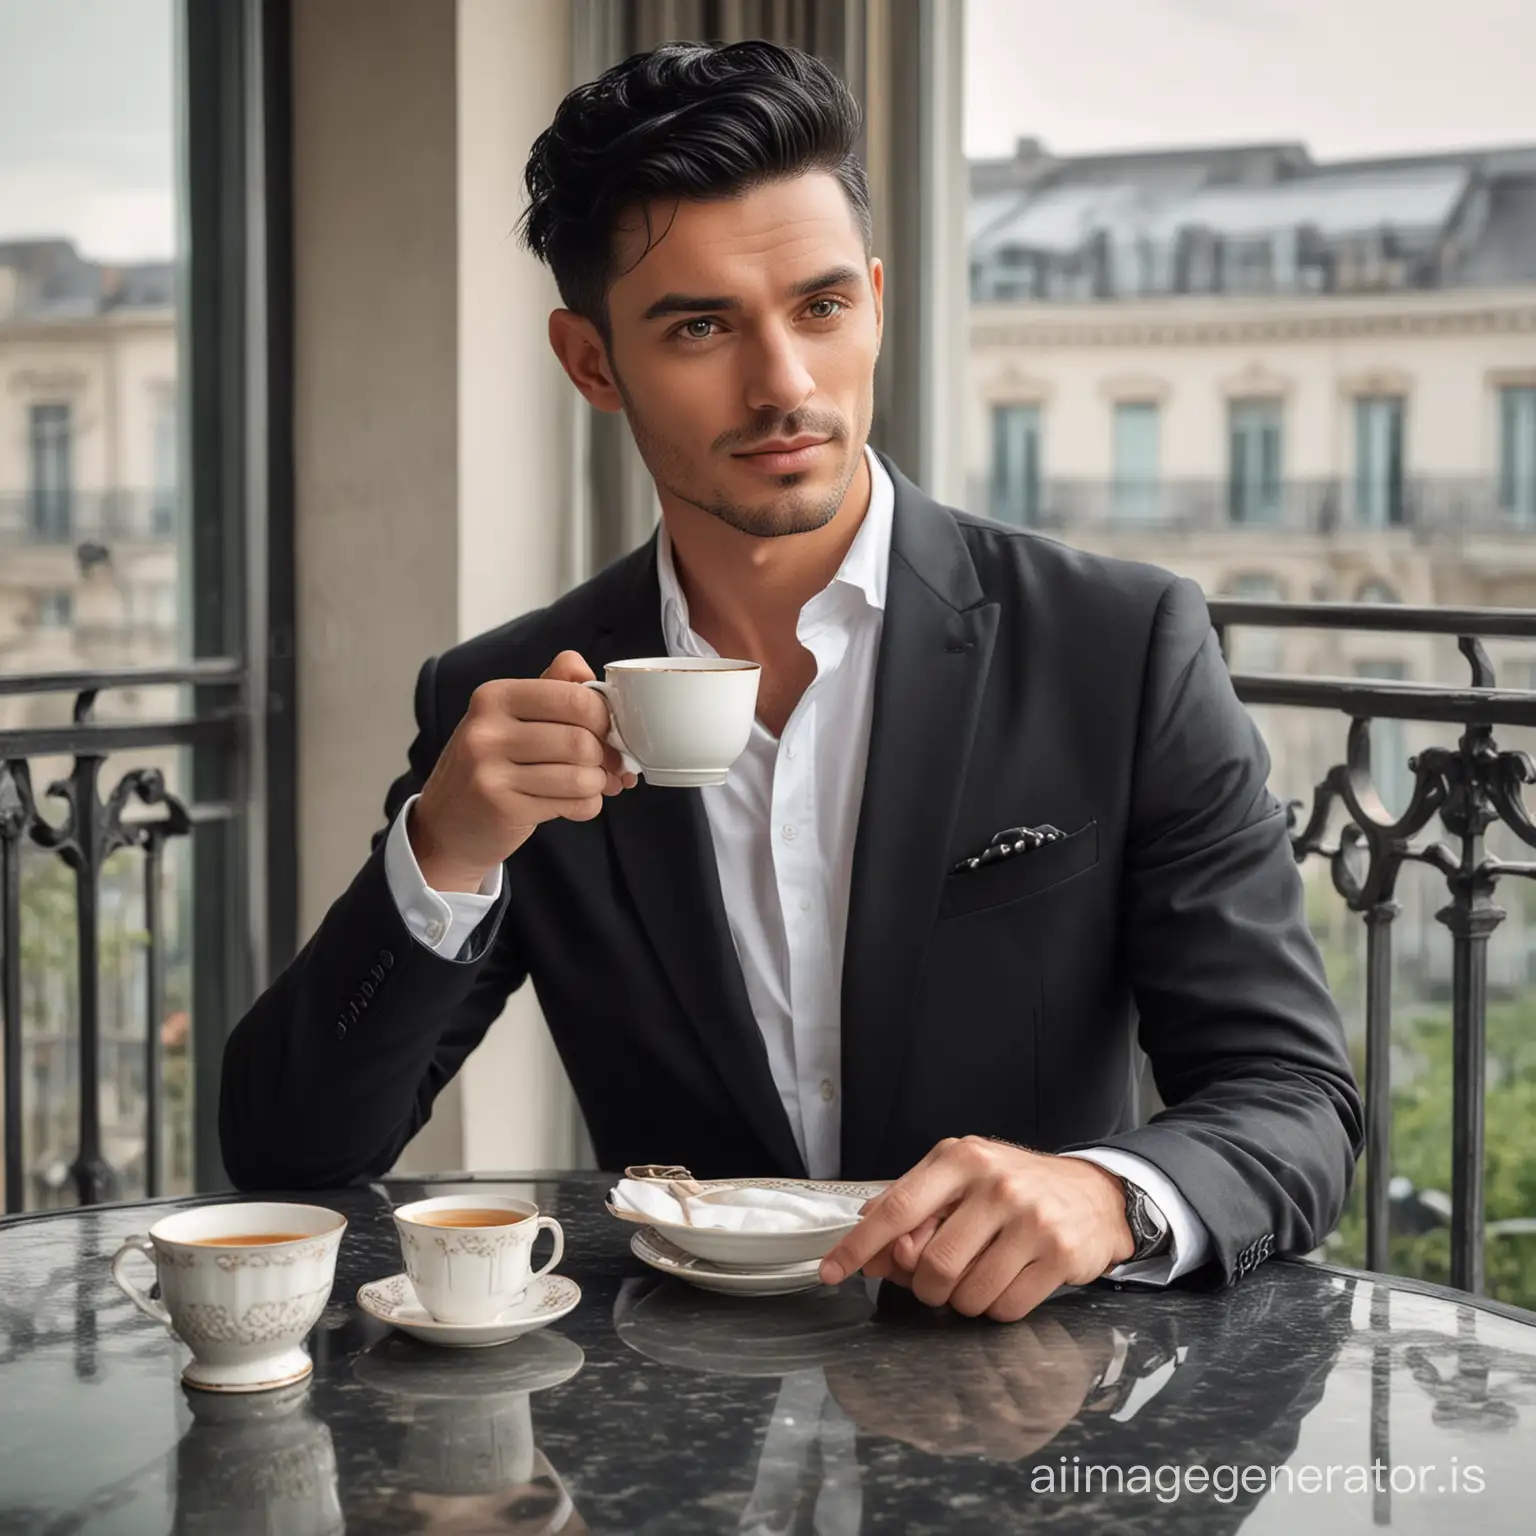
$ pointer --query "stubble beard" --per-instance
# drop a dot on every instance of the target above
(795, 510)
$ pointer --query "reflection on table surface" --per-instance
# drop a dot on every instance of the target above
(658, 1408)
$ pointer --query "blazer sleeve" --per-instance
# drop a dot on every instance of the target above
(337, 1064)
(1263, 1122)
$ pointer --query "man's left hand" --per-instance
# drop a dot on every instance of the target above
(989, 1228)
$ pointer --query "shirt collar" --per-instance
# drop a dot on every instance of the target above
(864, 568)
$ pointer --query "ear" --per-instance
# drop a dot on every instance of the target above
(877, 287)
(584, 356)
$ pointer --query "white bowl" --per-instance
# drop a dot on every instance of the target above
(761, 1250)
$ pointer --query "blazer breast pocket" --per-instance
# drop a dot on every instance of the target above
(1025, 874)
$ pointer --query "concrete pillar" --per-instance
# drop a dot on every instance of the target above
(516, 417)
(430, 418)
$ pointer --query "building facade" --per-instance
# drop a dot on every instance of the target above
(1284, 380)
(88, 463)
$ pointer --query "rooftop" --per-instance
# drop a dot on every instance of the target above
(1248, 218)
(50, 279)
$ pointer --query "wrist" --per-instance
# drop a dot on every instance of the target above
(440, 870)
(1112, 1204)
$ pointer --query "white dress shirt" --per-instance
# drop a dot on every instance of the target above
(783, 827)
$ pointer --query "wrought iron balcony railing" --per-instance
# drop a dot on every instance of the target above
(1425, 505)
(91, 829)
(1466, 786)
(63, 517)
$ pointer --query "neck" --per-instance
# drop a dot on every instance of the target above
(745, 593)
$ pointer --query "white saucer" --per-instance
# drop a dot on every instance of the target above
(393, 1301)
(651, 1248)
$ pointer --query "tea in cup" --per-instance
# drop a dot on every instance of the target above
(470, 1257)
(680, 720)
(241, 1285)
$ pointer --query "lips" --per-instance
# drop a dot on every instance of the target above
(784, 461)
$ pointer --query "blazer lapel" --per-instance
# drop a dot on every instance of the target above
(935, 649)
(662, 841)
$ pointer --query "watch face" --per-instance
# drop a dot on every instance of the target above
(1148, 1229)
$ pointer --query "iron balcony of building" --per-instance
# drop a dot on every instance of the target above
(136, 812)
(1423, 505)
(1465, 786)
(64, 516)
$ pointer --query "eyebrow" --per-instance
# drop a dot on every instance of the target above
(693, 304)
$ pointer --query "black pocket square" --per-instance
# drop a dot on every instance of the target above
(1011, 841)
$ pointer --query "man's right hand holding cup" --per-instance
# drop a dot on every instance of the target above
(528, 750)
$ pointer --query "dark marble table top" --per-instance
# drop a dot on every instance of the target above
(1302, 1398)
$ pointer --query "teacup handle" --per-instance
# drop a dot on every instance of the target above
(615, 740)
(141, 1299)
(550, 1225)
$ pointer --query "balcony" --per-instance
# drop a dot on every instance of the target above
(1427, 506)
(117, 516)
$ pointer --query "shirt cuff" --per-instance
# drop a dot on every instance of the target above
(1189, 1242)
(442, 921)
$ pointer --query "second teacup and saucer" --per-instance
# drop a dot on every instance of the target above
(469, 1281)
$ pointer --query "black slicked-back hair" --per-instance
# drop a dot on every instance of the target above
(688, 122)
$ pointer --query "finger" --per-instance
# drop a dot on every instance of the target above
(542, 741)
(561, 701)
(961, 1239)
(886, 1263)
(999, 1264)
(559, 781)
(934, 1183)
(1033, 1284)
(569, 667)
(907, 1250)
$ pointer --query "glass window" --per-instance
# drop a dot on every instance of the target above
(1254, 467)
(1016, 464)
(1517, 452)
(164, 468)
(55, 610)
(50, 472)
(89, 346)
(1379, 460)
(1136, 461)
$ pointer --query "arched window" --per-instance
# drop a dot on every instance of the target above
(1374, 591)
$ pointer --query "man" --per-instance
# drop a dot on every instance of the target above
(810, 969)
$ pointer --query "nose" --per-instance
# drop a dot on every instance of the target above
(780, 381)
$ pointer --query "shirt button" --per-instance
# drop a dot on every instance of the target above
(828, 1092)
(790, 834)
(789, 751)
(805, 903)
(434, 931)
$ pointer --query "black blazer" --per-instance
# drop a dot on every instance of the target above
(1018, 682)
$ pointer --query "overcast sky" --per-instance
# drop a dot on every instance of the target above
(1347, 77)
(87, 144)
(87, 117)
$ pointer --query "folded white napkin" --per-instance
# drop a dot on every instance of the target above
(738, 1210)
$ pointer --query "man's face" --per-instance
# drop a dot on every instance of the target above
(752, 325)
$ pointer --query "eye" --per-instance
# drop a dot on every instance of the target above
(686, 331)
(837, 308)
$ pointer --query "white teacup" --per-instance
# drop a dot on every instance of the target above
(472, 1274)
(680, 720)
(243, 1307)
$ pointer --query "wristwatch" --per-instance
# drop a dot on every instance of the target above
(1147, 1223)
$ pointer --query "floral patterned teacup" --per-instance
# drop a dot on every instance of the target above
(471, 1274)
(240, 1301)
